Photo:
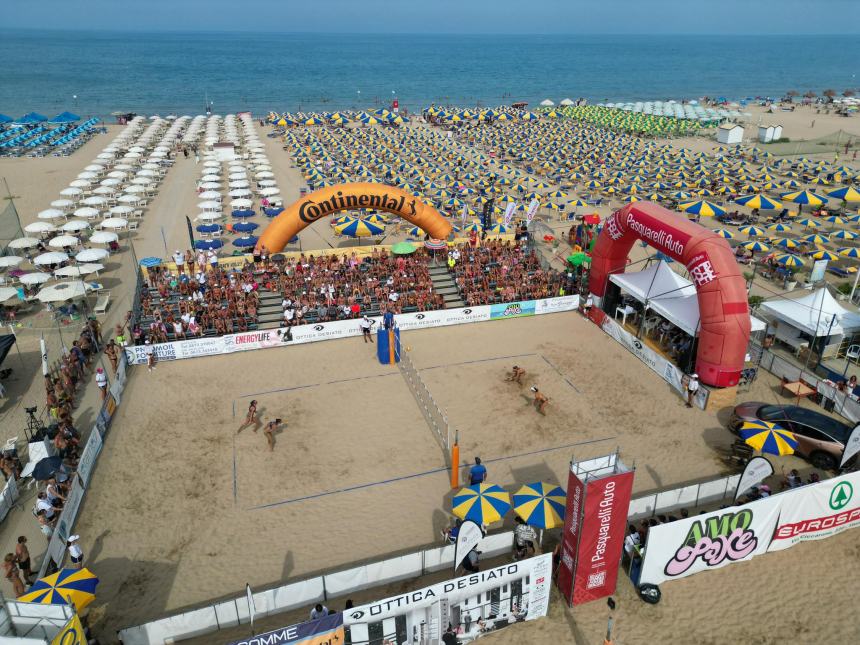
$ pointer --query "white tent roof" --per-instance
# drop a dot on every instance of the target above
(664, 291)
(814, 314)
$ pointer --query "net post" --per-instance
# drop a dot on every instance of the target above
(455, 465)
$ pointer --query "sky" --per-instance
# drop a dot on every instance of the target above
(442, 16)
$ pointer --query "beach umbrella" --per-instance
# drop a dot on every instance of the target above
(207, 228)
(62, 291)
(150, 261)
(360, 228)
(825, 255)
(578, 259)
(103, 237)
(91, 255)
(805, 197)
(499, 229)
(848, 194)
(403, 248)
(74, 226)
(208, 245)
(75, 586)
(435, 245)
(414, 231)
(849, 252)
(761, 202)
(482, 503)
(756, 247)
(787, 243)
(789, 261)
(40, 227)
(779, 227)
(768, 437)
(540, 504)
(244, 227)
(815, 238)
(35, 277)
(78, 270)
(703, 208)
(50, 213)
(808, 223)
(7, 293)
(246, 241)
(752, 231)
(62, 241)
(52, 257)
(474, 226)
(114, 222)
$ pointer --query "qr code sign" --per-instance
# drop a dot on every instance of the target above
(702, 271)
(596, 580)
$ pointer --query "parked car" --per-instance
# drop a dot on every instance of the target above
(821, 439)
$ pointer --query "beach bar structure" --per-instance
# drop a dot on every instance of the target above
(730, 133)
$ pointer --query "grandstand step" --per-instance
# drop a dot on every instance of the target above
(443, 284)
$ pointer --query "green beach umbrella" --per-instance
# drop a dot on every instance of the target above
(402, 248)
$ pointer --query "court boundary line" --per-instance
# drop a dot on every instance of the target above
(434, 471)
(560, 373)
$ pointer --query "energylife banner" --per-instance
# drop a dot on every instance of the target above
(710, 541)
(818, 511)
(323, 631)
(604, 525)
(264, 339)
(475, 605)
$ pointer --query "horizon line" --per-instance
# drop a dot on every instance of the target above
(806, 34)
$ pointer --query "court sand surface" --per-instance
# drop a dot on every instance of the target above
(183, 510)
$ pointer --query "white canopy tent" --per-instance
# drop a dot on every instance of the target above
(816, 314)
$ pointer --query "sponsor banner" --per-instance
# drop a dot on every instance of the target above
(656, 232)
(852, 446)
(89, 455)
(467, 539)
(570, 537)
(512, 310)
(509, 212)
(515, 592)
(601, 540)
(72, 633)
(106, 414)
(710, 541)
(818, 511)
(176, 350)
(323, 631)
(667, 370)
(757, 469)
(443, 317)
(532, 210)
(819, 268)
(552, 305)
(57, 545)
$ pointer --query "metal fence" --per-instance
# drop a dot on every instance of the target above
(437, 420)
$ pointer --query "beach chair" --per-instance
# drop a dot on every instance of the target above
(102, 303)
(741, 453)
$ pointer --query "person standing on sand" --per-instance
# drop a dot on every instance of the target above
(540, 400)
(75, 552)
(110, 352)
(102, 382)
(477, 473)
(269, 431)
(250, 418)
(365, 324)
(150, 355)
(10, 570)
(692, 388)
(22, 557)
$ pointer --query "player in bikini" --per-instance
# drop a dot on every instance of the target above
(251, 418)
(516, 375)
(540, 400)
(269, 431)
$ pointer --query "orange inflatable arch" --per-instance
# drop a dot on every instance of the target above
(332, 199)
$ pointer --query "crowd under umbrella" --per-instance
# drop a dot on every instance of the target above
(67, 586)
(768, 437)
(482, 503)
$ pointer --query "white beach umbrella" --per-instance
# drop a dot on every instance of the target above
(209, 206)
(241, 203)
(62, 241)
(210, 177)
(51, 257)
(7, 261)
(128, 199)
(237, 176)
(269, 192)
(87, 212)
(121, 210)
(142, 181)
(117, 174)
(62, 203)
(208, 217)
(135, 189)
(239, 192)
(94, 201)
(105, 190)
(132, 155)
(547, 103)
(264, 174)
(51, 213)
(34, 277)
(74, 226)
(147, 173)
(103, 237)
(126, 167)
(210, 185)
(40, 227)
(91, 255)
(94, 168)
(23, 243)
(114, 223)
(71, 191)
(7, 293)
(239, 183)
(62, 291)
(210, 194)
(105, 155)
(212, 164)
(88, 174)
(78, 271)
(158, 154)
(267, 183)
(566, 102)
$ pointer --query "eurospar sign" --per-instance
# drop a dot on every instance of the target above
(813, 512)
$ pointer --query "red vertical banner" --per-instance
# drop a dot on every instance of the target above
(601, 536)
(570, 538)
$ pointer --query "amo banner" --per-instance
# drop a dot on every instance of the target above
(323, 631)
(72, 633)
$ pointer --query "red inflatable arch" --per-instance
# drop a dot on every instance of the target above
(723, 310)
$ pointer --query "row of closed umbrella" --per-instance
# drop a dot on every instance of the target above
(539, 504)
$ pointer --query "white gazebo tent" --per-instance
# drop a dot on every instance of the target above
(665, 292)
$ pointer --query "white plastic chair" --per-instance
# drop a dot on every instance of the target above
(853, 353)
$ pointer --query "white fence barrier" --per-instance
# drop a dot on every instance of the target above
(305, 593)
(9, 497)
(692, 495)
(26, 622)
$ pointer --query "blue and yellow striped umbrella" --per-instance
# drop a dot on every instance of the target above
(768, 437)
(752, 231)
(702, 207)
(761, 202)
(77, 585)
(724, 233)
(787, 243)
(498, 229)
(779, 227)
(482, 503)
(789, 260)
(808, 223)
(805, 197)
(849, 252)
(541, 505)
(474, 226)
(825, 255)
(849, 194)
(360, 228)
(815, 238)
(756, 247)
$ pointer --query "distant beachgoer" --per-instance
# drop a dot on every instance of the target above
(516, 375)
(540, 400)
(110, 352)
(250, 418)
(477, 473)
(75, 552)
(150, 356)
(319, 611)
(102, 382)
(22, 557)
(365, 324)
(269, 431)
(692, 388)
(10, 570)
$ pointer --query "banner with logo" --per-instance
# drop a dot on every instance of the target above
(477, 604)
(570, 537)
(710, 541)
(555, 305)
(323, 631)
(818, 511)
(72, 633)
(468, 536)
(532, 210)
(509, 212)
(852, 446)
(88, 457)
(601, 539)
(512, 310)
(443, 317)
(757, 469)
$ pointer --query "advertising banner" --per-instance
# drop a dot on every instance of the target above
(57, 545)
(475, 605)
(604, 525)
(426, 319)
(177, 350)
(818, 511)
(89, 455)
(684, 547)
(323, 631)
(532, 210)
(757, 469)
(72, 633)
(509, 212)
(554, 305)
(512, 310)
(467, 539)
(852, 446)
(570, 537)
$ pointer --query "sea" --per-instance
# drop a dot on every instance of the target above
(97, 73)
